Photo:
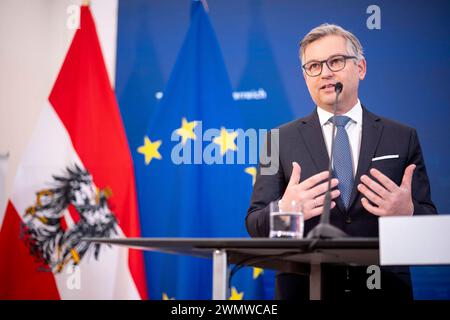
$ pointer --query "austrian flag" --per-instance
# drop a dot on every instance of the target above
(75, 180)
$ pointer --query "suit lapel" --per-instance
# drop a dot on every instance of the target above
(312, 136)
(371, 134)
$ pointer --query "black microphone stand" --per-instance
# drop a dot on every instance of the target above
(325, 230)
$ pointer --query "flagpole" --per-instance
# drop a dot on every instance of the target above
(85, 2)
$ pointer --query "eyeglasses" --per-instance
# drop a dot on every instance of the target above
(334, 63)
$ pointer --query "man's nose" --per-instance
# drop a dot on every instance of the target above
(326, 72)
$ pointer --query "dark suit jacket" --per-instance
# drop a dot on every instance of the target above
(302, 141)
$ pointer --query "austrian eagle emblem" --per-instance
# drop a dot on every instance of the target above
(72, 209)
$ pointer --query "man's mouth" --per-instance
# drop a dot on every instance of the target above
(326, 86)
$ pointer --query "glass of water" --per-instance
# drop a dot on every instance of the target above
(286, 220)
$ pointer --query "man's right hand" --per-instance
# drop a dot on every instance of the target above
(310, 194)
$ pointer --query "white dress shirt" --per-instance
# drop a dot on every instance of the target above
(353, 128)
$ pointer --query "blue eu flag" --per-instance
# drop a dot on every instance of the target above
(189, 181)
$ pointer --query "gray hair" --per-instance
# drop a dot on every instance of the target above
(353, 44)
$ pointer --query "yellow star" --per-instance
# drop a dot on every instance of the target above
(226, 141)
(166, 297)
(187, 130)
(235, 295)
(150, 150)
(251, 171)
(257, 272)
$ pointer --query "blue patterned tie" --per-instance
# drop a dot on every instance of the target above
(342, 160)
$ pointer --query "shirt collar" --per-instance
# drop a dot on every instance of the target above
(354, 113)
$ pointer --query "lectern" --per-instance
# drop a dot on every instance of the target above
(303, 256)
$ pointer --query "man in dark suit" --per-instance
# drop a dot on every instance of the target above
(378, 167)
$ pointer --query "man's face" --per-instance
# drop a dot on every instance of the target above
(321, 87)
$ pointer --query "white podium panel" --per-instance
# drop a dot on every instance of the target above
(417, 240)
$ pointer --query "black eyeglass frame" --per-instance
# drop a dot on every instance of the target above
(346, 57)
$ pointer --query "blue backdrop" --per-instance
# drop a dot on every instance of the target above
(408, 77)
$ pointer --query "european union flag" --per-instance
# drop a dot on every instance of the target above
(189, 181)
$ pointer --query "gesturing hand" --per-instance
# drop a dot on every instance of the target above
(309, 193)
(388, 198)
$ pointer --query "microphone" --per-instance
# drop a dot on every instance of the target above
(325, 230)
(338, 89)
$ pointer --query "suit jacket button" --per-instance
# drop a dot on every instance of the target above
(348, 220)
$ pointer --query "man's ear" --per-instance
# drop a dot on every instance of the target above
(362, 68)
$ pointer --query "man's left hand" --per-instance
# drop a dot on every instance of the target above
(389, 199)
